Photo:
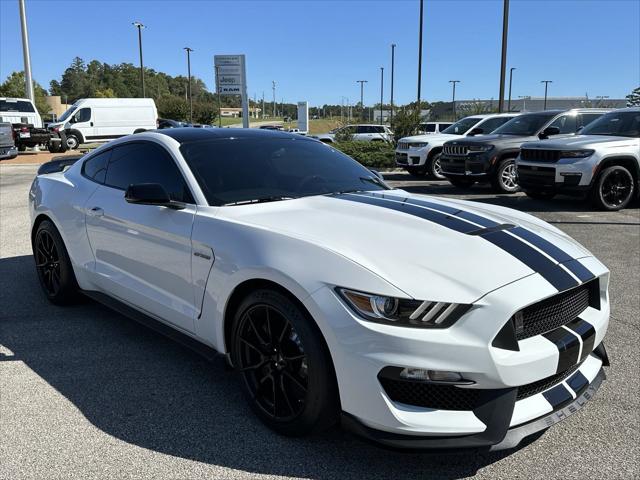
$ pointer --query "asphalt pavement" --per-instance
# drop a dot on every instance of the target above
(87, 393)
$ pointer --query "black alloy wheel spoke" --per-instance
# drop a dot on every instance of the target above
(285, 395)
(295, 380)
(48, 262)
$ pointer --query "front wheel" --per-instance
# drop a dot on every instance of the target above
(506, 178)
(286, 370)
(613, 189)
(72, 141)
(435, 169)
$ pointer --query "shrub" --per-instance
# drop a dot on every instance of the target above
(369, 154)
(405, 124)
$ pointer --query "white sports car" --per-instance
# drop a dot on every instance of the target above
(418, 322)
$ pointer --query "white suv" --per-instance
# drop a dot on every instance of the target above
(364, 133)
(603, 160)
(420, 154)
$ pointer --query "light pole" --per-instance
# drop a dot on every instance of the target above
(503, 62)
(381, 91)
(273, 86)
(453, 100)
(217, 67)
(28, 82)
(140, 26)
(420, 55)
(546, 87)
(510, 82)
(362, 82)
(189, 50)
(393, 51)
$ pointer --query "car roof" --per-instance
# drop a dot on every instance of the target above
(191, 134)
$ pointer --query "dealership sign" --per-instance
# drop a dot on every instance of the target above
(231, 79)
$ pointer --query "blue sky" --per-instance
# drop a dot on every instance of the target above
(316, 50)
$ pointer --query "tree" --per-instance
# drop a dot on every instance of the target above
(633, 99)
(14, 86)
(173, 107)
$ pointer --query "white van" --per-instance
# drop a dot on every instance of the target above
(92, 120)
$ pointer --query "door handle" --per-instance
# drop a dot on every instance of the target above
(95, 212)
(91, 124)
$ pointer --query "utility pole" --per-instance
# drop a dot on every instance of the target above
(510, 83)
(381, 92)
(189, 50)
(28, 81)
(262, 105)
(420, 56)
(362, 82)
(503, 62)
(217, 67)
(546, 86)
(273, 86)
(453, 82)
(393, 51)
(140, 26)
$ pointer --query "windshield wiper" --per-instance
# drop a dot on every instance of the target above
(272, 198)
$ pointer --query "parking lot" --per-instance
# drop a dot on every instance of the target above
(87, 393)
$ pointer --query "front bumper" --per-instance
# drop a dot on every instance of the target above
(8, 152)
(565, 177)
(413, 157)
(360, 350)
(478, 166)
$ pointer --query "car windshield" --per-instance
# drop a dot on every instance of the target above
(618, 124)
(235, 171)
(525, 125)
(462, 126)
(70, 111)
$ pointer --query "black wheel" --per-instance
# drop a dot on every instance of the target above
(284, 365)
(72, 141)
(613, 189)
(417, 171)
(540, 194)
(63, 142)
(506, 178)
(54, 266)
(434, 170)
(22, 148)
(53, 147)
(461, 182)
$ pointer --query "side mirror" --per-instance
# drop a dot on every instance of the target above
(151, 194)
(476, 131)
(579, 129)
(549, 131)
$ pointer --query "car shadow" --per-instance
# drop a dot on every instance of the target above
(144, 389)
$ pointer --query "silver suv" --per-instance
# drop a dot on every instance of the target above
(603, 161)
(364, 133)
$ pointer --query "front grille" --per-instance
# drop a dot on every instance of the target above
(540, 386)
(540, 155)
(430, 395)
(539, 176)
(403, 145)
(551, 313)
(457, 150)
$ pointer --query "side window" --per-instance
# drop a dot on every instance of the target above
(146, 162)
(585, 119)
(566, 123)
(95, 168)
(362, 129)
(430, 127)
(83, 115)
(491, 124)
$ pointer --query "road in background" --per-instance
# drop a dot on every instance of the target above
(87, 393)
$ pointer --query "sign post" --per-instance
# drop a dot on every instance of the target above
(303, 117)
(231, 79)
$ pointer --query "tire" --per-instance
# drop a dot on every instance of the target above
(53, 147)
(73, 141)
(433, 167)
(22, 148)
(140, 130)
(613, 189)
(53, 266)
(285, 368)
(416, 171)
(461, 182)
(505, 179)
(540, 194)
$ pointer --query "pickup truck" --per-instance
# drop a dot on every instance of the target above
(28, 130)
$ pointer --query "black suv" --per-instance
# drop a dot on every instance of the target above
(491, 158)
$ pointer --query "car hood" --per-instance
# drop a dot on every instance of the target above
(424, 259)
(580, 141)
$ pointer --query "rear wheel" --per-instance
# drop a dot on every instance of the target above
(22, 147)
(54, 266)
(284, 365)
(540, 194)
(461, 182)
(613, 189)
(434, 167)
(506, 179)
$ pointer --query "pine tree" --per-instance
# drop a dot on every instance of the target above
(633, 99)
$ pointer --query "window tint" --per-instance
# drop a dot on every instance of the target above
(83, 115)
(363, 129)
(619, 123)
(585, 119)
(462, 126)
(566, 123)
(16, 106)
(491, 124)
(145, 162)
(95, 168)
(430, 128)
(525, 125)
(445, 125)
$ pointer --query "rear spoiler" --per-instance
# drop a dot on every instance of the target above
(58, 164)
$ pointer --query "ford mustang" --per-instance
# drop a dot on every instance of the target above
(414, 321)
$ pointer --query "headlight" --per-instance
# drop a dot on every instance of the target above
(418, 144)
(403, 312)
(479, 148)
(576, 153)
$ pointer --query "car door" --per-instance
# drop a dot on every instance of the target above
(143, 252)
(83, 122)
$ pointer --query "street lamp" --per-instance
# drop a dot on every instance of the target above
(546, 86)
(453, 82)
(140, 26)
(381, 91)
(393, 51)
(503, 61)
(189, 50)
(510, 82)
(273, 87)
(362, 82)
(420, 54)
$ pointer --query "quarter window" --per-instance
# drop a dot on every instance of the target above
(95, 168)
(146, 162)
